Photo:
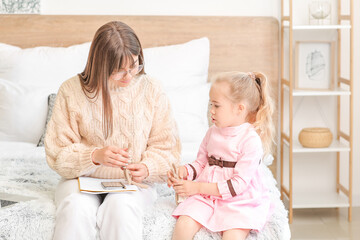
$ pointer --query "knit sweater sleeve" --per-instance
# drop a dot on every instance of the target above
(64, 151)
(163, 145)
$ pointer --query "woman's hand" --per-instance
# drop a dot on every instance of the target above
(111, 156)
(184, 187)
(139, 171)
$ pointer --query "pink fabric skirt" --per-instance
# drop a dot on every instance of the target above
(219, 215)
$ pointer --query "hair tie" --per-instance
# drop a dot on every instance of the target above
(258, 82)
(251, 75)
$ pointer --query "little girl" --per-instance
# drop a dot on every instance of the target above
(228, 195)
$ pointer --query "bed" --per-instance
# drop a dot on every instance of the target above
(192, 48)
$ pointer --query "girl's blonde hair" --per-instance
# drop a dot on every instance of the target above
(253, 87)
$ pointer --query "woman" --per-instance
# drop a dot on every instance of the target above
(110, 107)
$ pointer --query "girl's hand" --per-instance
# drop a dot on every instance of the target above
(184, 187)
(139, 171)
(182, 172)
(110, 156)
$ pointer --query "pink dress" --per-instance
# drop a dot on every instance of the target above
(244, 201)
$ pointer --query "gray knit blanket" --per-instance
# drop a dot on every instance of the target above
(26, 173)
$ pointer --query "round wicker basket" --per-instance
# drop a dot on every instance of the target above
(315, 137)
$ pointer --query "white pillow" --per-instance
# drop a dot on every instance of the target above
(179, 65)
(189, 151)
(189, 106)
(23, 112)
(42, 66)
(174, 65)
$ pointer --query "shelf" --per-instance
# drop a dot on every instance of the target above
(319, 200)
(335, 92)
(317, 27)
(340, 99)
(335, 146)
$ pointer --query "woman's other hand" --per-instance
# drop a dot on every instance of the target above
(111, 156)
(139, 171)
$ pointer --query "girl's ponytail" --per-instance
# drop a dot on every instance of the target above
(263, 120)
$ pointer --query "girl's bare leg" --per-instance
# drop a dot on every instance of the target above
(185, 228)
(235, 234)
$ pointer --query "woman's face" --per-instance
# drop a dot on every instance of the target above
(124, 76)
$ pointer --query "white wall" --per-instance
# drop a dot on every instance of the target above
(162, 7)
(215, 7)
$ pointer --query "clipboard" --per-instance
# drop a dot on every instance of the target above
(94, 185)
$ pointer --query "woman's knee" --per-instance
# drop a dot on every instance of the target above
(121, 208)
(79, 205)
(76, 217)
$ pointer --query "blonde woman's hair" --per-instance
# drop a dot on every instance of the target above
(253, 87)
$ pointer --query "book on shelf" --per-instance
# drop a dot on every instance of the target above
(99, 185)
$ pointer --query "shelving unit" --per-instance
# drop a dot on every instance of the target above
(342, 143)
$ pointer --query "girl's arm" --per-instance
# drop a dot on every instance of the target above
(192, 170)
(245, 169)
(195, 168)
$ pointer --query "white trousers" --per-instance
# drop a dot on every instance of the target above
(117, 216)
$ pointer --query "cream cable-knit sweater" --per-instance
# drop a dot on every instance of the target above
(141, 116)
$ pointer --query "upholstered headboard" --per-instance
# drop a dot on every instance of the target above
(236, 43)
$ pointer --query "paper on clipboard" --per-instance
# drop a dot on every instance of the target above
(93, 185)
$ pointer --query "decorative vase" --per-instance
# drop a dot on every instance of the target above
(319, 12)
(315, 137)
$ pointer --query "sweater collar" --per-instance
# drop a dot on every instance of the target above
(233, 131)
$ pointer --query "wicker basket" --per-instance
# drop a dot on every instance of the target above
(315, 137)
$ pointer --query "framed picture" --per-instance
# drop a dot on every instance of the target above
(314, 65)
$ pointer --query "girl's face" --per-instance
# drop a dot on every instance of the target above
(123, 77)
(224, 113)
